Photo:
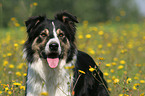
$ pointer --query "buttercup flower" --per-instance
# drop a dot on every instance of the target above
(81, 71)
(116, 81)
(91, 69)
(120, 67)
(122, 62)
(44, 94)
(128, 80)
(88, 36)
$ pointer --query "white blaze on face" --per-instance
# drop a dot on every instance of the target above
(53, 40)
(53, 62)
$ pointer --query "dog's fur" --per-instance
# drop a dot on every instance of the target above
(53, 41)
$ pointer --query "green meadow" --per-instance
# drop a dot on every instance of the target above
(117, 48)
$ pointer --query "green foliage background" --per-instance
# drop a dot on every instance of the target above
(91, 10)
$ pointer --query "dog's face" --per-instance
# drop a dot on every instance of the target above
(51, 40)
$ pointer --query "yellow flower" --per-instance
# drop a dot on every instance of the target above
(91, 69)
(81, 71)
(122, 62)
(106, 74)
(1, 92)
(69, 67)
(6, 89)
(109, 89)
(108, 81)
(18, 73)
(100, 32)
(136, 78)
(92, 51)
(44, 94)
(120, 67)
(80, 36)
(128, 80)
(108, 65)
(120, 94)
(17, 84)
(17, 24)
(126, 95)
(16, 45)
(123, 51)
(116, 81)
(11, 66)
(138, 65)
(142, 94)
(109, 44)
(143, 37)
(4, 85)
(5, 63)
(100, 46)
(113, 77)
(9, 92)
(137, 84)
(25, 74)
(142, 81)
(134, 88)
(113, 63)
(22, 87)
(101, 58)
(19, 66)
(9, 54)
(13, 19)
(130, 46)
(115, 59)
(112, 70)
(35, 3)
(88, 36)
(22, 42)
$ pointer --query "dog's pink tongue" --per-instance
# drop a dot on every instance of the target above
(53, 62)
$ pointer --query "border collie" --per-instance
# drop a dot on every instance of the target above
(51, 52)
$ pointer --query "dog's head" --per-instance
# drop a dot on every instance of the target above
(51, 40)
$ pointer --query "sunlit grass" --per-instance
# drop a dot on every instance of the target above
(118, 50)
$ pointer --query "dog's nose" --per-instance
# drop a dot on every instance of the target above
(53, 46)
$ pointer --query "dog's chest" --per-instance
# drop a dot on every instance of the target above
(54, 81)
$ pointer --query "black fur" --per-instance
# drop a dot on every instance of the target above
(87, 85)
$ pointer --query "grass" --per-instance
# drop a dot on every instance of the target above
(118, 50)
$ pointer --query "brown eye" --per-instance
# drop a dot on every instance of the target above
(43, 35)
(61, 35)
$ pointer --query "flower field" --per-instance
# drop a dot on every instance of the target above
(118, 49)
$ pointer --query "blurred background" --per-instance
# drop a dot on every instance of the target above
(93, 11)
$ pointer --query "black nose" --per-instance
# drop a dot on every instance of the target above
(53, 46)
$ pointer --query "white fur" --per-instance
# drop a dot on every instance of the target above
(53, 40)
(42, 78)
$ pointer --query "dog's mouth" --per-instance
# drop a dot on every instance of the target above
(52, 59)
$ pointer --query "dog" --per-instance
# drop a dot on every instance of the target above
(55, 63)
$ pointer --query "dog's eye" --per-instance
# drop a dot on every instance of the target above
(43, 35)
(60, 35)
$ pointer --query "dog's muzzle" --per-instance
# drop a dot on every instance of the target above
(52, 52)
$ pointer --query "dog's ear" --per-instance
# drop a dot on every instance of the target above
(67, 18)
(33, 21)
